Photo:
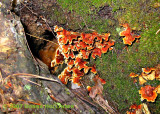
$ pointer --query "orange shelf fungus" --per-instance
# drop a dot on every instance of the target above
(106, 36)
(157, 89)
(148, 92)
(76, 80)
(157, 72)
(96, 52)
(150, 76)
(75, 49)
(132, 74)
(147, 70)
(141, 80)
(64, 76)
(93, 69)
(85, 54)
(129, 36)
(77, 72)
(134, 109)
(80, 63)
(59, 59)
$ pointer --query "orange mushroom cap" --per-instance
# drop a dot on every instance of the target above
(86, 69)
(59, 59)
(157, 89)
(83, 45)
(102, 81)
(147, 92)
(77, 72)
(126, 40)
(89, 88)
(147, 70)
(134, 109)
(64, 76)
(80, 63)
(127, 31)
(141, 80)
(62, 39)
(132, 74)
(72, 37)
(71, 54)
(65, 48)
(105, 48)
(93, 69)
(87, 38)
(110, 43)
(129, 36)
(76, 80)
(105, 36)
(56, 28)
(85, 54)
(63, 79)
(99, 38)
(134, 106)
(70, 62)
(96, 52)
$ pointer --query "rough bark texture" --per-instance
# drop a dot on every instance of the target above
(15, 58)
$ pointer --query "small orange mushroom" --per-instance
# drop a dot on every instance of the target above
(89, 88)
(56, 28)
(129, 36)
(132, 74)
(147, 92)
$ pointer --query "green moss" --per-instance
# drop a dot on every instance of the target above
(67, 91)
(116, 65)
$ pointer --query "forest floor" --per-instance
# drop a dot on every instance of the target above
(105, 16)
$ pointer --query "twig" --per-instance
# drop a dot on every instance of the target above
(41, 38)
(85, 23)
(32, 82)
(25, 75)
(158, 31)
(1, 76)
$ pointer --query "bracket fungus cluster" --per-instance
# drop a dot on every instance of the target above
(148, 92)
(75, 48)
(129, 35)
(139, 109)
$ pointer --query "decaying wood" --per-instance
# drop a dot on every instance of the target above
(15, 58)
